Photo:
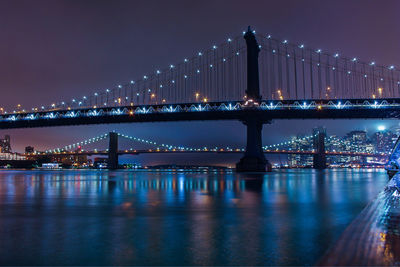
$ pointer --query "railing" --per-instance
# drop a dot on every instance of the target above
(204, 107)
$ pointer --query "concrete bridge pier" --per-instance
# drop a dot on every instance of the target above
(253, 159)
(113, 151)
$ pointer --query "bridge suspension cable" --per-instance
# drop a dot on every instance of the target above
(170, 146)
(214, 75)
(81, 143)
(277, 147)
(296, 72)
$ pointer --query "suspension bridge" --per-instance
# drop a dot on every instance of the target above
(113, 152)
(253, 78)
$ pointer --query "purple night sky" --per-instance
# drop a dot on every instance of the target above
(56, 50)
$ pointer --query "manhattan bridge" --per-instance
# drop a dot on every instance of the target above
(252, 78)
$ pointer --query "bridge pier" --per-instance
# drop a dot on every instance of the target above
(253, 159)
(113, 151)
(319, 159)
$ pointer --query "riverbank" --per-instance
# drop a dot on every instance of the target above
(373, 238)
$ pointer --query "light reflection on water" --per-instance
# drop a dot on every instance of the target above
(288, 217)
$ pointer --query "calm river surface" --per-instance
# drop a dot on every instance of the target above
(287, 217)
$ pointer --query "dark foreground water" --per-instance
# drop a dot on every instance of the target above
(288, 217)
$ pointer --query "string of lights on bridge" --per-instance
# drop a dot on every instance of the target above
(333, 71)
(320, 51)
(81, 102)
(169, 147)
(78, 145)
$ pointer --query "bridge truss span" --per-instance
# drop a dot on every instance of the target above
(252, 81)
(266, 110)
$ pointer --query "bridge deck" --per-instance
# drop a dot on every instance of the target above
(373, 238)
(236, 110)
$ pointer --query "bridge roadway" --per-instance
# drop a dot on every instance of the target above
(264, 112)
(153, 151)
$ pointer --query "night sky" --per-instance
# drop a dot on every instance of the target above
(52, 51)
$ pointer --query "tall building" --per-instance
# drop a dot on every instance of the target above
(357, 137)
(5, 144)
(29, 149)
(384, 141)
(356, 141)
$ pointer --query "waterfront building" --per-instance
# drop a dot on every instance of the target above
(353, 141)
(5, 144)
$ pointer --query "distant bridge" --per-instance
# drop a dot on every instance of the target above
(221, 151)
(319, 153)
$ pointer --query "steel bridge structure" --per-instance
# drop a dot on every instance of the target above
(252, 78)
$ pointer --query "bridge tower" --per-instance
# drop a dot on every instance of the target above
(253, 159)
(113, 151)
(319, 159)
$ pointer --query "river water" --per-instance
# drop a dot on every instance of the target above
(73, 217)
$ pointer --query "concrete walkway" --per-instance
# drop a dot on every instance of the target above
(373, 238)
